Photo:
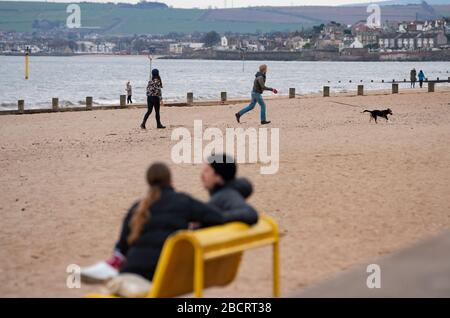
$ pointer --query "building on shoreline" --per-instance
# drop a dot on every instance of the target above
(338, 39)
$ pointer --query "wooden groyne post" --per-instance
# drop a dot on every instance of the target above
(430, 87)
(55, 104)
(326, 91)
(190, 98)
(394, 88)
(223, 97)
(291, 92)
(89, 103)
(21, 106)
(360, 90)
(123, 101)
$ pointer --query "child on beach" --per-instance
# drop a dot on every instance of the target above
(421, 78)
(154, 97)
(259, 86)
(163, 212)
(129, 93)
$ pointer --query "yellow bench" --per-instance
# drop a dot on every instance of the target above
(193, 260)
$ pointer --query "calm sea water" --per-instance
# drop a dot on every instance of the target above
(71, 79)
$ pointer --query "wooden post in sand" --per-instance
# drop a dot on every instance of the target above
(89, 103)
(123, 101)
(394, 88)
(21, 106)
(360, 90)
(223, 97)
(430, 87)
(190, 98)
(326, 91)
(55, 104)
(291, 92)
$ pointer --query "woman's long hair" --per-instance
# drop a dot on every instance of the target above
(158, 177)
(158, 78)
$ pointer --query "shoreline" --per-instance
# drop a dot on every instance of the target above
(231, 101)
(275, 56)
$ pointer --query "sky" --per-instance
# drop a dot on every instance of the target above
(229, 3)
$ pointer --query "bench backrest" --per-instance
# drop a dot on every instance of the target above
(193, 260)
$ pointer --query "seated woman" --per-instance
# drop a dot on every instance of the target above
(151, 221)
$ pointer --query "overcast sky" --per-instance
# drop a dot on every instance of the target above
(230, 3)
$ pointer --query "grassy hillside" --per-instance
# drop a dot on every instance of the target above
(112, 19)
(117, 20)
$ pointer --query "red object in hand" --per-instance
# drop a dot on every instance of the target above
(275, 91)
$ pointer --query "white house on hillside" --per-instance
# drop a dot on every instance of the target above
(356, 44)
(224, 41)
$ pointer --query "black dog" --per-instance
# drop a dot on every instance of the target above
(378, 113)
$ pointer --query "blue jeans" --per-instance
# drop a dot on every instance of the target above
(256, 98)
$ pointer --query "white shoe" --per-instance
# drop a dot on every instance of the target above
(98, 273)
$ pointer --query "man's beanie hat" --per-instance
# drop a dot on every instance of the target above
(224, 166)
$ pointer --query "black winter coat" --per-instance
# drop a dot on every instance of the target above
(172, 212)
(230, 200)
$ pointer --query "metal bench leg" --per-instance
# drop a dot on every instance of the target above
(198, 274)
(276, 269)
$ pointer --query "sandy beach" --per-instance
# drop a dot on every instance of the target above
(347, 191)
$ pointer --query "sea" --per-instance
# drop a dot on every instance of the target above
(104, 78)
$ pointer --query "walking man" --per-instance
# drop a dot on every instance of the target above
(259, 86)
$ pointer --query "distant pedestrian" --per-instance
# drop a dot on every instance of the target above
(413, 77)
(259, 86)
(421, 78)
(129, 93)
(154, 97)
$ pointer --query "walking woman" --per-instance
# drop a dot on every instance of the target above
(259, 86)
(129, 93)
(154, 99)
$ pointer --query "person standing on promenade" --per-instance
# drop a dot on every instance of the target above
(421, 78)
(259, 86)
(154, 97)
(413, 78)
(129, 93)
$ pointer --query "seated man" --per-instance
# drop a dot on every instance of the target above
(227, 193)
(228, 196)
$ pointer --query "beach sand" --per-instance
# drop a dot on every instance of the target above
(347, 192)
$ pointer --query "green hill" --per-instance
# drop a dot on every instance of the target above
(156, 18)
(116, 19)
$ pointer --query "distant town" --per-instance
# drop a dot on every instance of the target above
(406, 40)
